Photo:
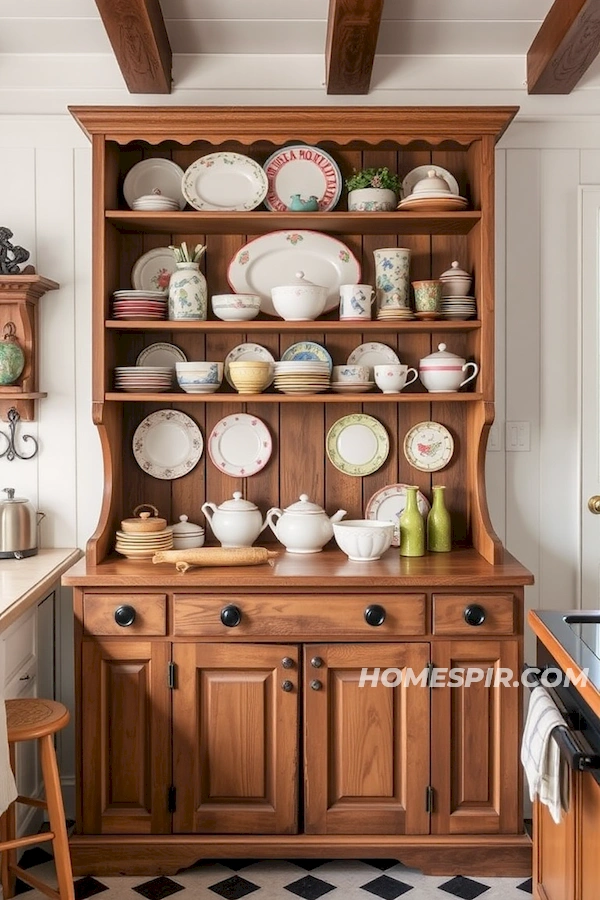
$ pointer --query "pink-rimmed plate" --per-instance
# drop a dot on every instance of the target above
(387, 503)
(304, 170)
(240, 445)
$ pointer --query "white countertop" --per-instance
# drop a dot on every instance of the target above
(23, 582)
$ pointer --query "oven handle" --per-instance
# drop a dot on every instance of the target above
(572, 744)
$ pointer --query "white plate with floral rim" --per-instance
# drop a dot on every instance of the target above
(153, 270)
(224, 181)
(357, 444)
(161, 354)
(150, 175)
(307, 351)
(252, 352)
(273, 259)
(372, 354)
(387, 503)
(167, 444)
(305, 170)
(418, 174)
(428, 446)
(240, 445)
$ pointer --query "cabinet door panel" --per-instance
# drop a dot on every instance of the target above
(366, 748)
(126, 746)
(475, 742)
(590, 845)
(554, 852)
(235, 739)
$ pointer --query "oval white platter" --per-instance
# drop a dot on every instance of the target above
(357, 444)
(240, 445)
(153, 270)
(428, 446)
(150, 174)
(273, 259)
(305, 170)
(252, 352)
(224, 181)
(387, 503)
(167, 444)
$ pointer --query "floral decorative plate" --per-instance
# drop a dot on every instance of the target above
(167, 444)
(153, 270)
(161, 354)
(274, 258)
(247, 351)
(357, 444)
(154, 174)
(428, 446)
(240, 445)
(372, 354)
(307, 350)
(387, 503)
(224, 181)
(305, 170)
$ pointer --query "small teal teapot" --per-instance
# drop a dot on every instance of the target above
(299, 205)
(12, 358)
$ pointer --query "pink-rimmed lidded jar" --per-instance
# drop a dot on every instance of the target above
(444, 371)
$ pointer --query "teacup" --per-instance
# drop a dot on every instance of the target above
(428, 295)
(393, 378)
(350, 373)
(356, 300)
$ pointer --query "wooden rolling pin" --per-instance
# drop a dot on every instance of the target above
(215, 556)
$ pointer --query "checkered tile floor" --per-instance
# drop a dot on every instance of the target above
(309, 879)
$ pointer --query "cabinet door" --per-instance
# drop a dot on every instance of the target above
(235, 738)
(475, 741)
(554, 852)
(125, 737)
(590, 844)
(366, 748)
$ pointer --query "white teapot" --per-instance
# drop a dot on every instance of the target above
(303, 527)
(235, 523)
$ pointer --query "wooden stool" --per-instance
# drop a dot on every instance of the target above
(34, 719)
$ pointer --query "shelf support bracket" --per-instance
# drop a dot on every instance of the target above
(11, 451)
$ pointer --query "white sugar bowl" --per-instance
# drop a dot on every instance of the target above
(434, 183)
(444, 371)
(187, 535)
(300, 301)
(236, 522)
(455, 281)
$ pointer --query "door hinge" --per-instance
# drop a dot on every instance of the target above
(430, 671)
(428, 799)
(172, 799)
(171, 675)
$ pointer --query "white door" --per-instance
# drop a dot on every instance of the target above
(590, 395)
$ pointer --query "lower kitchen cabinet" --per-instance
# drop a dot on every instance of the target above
(589, 855)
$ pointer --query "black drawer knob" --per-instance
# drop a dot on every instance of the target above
(474, 614)
(316, 685)
(316, 662)
(287, 686)
(231, 616)
(375, 615)
(125, 615)
(287, 662)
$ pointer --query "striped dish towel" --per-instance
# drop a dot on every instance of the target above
(540, 755)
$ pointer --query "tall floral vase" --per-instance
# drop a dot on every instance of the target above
(392, 277)
(188, 295)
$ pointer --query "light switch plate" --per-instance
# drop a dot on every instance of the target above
(518, 437)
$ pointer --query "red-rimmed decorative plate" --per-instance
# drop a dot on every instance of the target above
(302, 170)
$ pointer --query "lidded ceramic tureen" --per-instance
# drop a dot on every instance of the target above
(236, 522)
(303, 527)
(455, 281)
(187, 535)
(434, 183)
(299, 301)
(443, 371)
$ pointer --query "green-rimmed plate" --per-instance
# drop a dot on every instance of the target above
(357, 444)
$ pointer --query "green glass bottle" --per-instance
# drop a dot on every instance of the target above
(439, 526)
(412, 526)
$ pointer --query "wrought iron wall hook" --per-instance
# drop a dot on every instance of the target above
(11, 451)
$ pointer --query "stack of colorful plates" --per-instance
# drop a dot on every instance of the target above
(302, 377)
(148, 379)
(143, 546)
(140, 304)
(459, 307)
(389, 312)
(156, 201)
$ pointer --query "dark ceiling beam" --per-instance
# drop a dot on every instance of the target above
(136, 30)
(566, 44)
(352, 31)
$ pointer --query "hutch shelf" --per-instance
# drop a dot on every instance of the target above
(260, 740)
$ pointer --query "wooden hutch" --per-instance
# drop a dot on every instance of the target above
(189, 744)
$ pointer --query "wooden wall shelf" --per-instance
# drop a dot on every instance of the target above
(450, 397)
(323, 326)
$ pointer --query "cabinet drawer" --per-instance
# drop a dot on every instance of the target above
(294, 616)
(450, 612)
(148, 611)
(19, 645)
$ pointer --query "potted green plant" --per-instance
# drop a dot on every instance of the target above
(373, 190)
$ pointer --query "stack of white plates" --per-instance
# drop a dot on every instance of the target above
(140, 304)
(459, 307)
(143, 546)
(149, 379)
(302, 376)
(156, 201)
(389, 312)
(351, 387)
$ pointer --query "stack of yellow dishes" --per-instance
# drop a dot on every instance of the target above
(305, 376)
(142, 536)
